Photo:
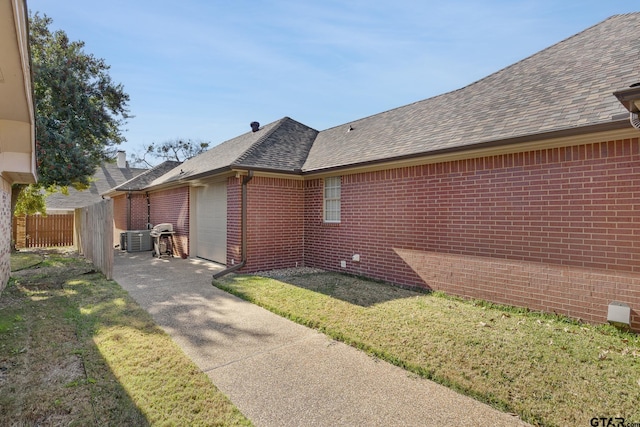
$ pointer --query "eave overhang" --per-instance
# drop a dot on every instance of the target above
(17, 115)
(615, 129)
(630, 98)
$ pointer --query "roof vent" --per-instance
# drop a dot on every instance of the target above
(255, 126)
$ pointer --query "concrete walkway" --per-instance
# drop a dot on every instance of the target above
(277, 372)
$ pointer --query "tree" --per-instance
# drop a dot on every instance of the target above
(79, 113)
(176, 149)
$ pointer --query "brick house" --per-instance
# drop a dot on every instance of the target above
(522, 188)
(17, 123)
(132, 202)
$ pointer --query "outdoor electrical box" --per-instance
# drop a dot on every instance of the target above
(619, 313)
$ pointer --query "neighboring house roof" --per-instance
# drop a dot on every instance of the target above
(280, 146)
(17, 123)
(107, 176)
(143, 180)
(565, 86)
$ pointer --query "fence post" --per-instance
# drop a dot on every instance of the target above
(19, 222)
(77, 230)
(94, 229)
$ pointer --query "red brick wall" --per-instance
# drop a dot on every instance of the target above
(165, 206)
(139, 212)
(275, 223)
(234, 240)
(120, 214)
(172, 206)
(123, 208)
(563, 218)
(136, 206)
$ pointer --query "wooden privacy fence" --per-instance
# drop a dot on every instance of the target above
(39, 231)
(94, 235)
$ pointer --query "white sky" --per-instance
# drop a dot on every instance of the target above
(205, 69)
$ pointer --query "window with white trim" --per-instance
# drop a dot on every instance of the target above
(332, 199)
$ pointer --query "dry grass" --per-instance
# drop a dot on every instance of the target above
(548, 369)
(76, 350)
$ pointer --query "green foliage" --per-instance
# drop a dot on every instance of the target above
(176, 149)
(79, 110)
(30, 200)
(79, 115)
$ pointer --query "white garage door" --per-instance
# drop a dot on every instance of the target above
(211, 222)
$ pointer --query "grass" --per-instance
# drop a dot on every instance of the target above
(547, 369)
(24, 260)
(75, 349)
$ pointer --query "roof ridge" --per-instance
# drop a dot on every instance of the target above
(111, 164)
(261, 140)
(147, 172)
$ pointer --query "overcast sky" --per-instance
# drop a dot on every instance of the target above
(205, 69)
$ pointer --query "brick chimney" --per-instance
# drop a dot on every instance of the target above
(121, 160)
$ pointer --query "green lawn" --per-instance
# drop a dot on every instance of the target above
(75, 349)
(548, 369)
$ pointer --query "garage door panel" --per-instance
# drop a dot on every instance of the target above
(211, 220)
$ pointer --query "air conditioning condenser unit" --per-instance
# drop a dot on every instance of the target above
(138, 240)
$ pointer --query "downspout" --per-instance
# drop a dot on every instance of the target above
(243, 229)
(149, 226)
(129, 210)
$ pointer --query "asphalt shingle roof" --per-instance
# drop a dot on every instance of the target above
(567, 85)
(143, 180)
(285, 149)
(107, 176)
(564, 87)
(282, 145)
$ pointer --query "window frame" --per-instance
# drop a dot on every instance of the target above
(332, 183)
